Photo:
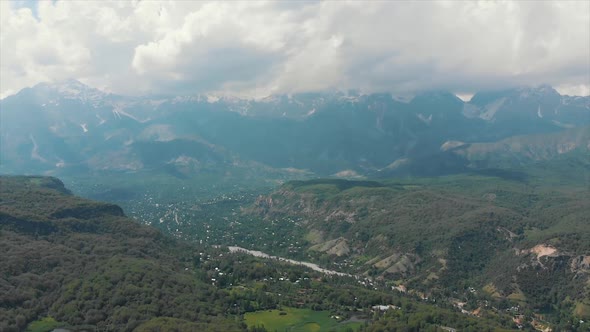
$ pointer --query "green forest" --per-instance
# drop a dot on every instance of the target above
(83, 265)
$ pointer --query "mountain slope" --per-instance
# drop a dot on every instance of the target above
(445, 235)
(520, 150)
(528, 110)
(66, 128)
(84, 263)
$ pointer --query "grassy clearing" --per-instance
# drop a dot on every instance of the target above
(491, 290)
(517, 296)
(44, 325)
(314, 237)
(296, 320)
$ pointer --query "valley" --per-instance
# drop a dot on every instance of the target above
(415, 236)
(294, 166)
(87, 266)
(369, 209)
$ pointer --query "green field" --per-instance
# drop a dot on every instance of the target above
(44, 325)
(297, 320)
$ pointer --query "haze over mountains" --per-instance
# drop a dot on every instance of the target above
(254, 166)
(70, 128)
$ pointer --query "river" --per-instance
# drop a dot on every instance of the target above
(312, 266)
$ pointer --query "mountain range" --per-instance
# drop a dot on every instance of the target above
(69, 128)
(514, 198)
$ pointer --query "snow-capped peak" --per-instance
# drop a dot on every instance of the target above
(74, 88)
(537, 92)
(71, 89)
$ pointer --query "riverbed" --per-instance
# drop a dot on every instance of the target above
(312, 266)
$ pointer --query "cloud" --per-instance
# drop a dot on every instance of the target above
(258, 48)
(214, 46)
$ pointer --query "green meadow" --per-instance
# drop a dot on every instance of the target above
(297, 320)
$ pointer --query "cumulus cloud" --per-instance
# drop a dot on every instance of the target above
(258, 48)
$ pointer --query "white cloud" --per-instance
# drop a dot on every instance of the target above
(258, 48)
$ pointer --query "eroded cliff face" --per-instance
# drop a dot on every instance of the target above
(580, 265)
(328, 223)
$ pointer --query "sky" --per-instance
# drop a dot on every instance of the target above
(258, 48)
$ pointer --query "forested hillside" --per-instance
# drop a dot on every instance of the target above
(84, 263)
(515, 237)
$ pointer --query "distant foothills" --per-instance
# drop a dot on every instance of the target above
(69, 128)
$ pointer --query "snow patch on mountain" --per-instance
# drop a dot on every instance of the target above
(188, 99)
(425, 119)
(398, 163)
(448, 145)
(184, 160)
(486, 112)
(491, 109)
(562, 125)
(406, 99)
(75, 90)
(349, 98)
(118, 111)
(102, 121)
(536, 92)
(35, 151)
(212, 99)
(60, 164)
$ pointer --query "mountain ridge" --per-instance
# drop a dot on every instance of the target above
(68, 127)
